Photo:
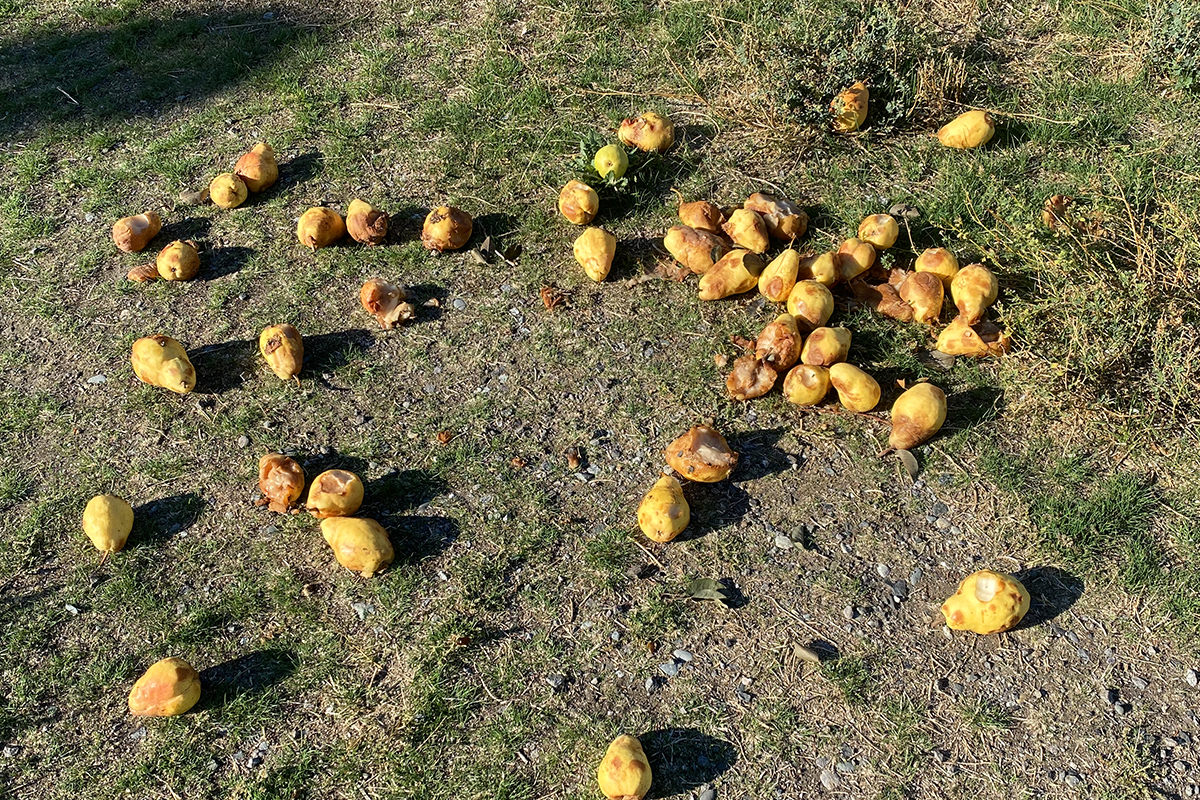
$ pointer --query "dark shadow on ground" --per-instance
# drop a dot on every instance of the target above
(138, 65)
(221, 261)
(1051, 592)
(683, 759)
(402, 491)
(224, 366)
(422, 293)
(326, 352)
(292, 172)
(192, 229)
(758, 456)
(416, 538)
(158, 520)
(248, 674)
(826, 651)
(974, 407)
(713, 506)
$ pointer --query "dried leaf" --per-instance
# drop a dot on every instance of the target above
(444, 437)
(518, 463)
(741, 341)
(479, 257)
(910, 463)
(943, 360)
(708, 589)
(806, 654)
(671, 270)
(552, 298)
(146, 272)
(486, 247)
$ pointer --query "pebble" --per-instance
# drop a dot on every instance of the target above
(89, 217)
(651, 685)
(1192, 678)
(362, 609)
(138, 735)
(1139, 682)
(849, 613)
(459, 304)
(254, 761)
(915, 576)
(829, 780)
(883, 569)
(708, 794)
(1180, 767)
(942, 524)
(784, 542)
(1111, 696)
(243, 441)
(669, 668)
(940, 509)
(72, 610)
(900, 589)
(1073, 780)
(846, 767)
(556, 681)
(97, 379)
(682, 655)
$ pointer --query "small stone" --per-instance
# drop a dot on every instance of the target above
(1073, 780)
(138, 734)
(72, 610)
(784, 542)
(1192, 678)
(1139, 683)
(807, 654)
(940, 509)
(459, 304)
(942, 524)
(682, 655)
(243, 441)
(1111, 696)
(254, 761)
(95, 380)
(708, 794)
(883, 570)
(849, 613)
(846, 767)
(915, 576)
(941, 756)
(615, 636)
(669, 668)
(829, 780)
(1122, 709)
(900, 589)
(556, 681)
(1180, 767)
(651, 685)
(361, 609)
(89, 217)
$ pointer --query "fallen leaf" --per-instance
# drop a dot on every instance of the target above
(146, 272)
(196, 198)
(708, 589)
(741, 341)
(518, 463)
(479, 257)
(444, 437)
(806, 654)
(720, 359)
(910, 463)
(486, 247)
(510, 254)
(552, 298)
(671, 270)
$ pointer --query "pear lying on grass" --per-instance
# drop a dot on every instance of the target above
(335, 493)
(702, 454)
(388, 303)
(651, 132)
(169, 688)
(107, 521)
(359, 544)
(737, 271)
(849, 108)
(132, 234)
(880, 230)
(178, 261)
(283, 349)
(320, 227)
(446, 228)
(228, 190)
(281, 481)
(747, 229)
(986, 602)
(750, 378)
(594, 250)
(806, 384)
(161, 361)
(695, 249)
(663, 512)
(365, 223)
(857, 391)
(624, 772)
(917, 415)
(258, 168)
(578, 202)
(967, 131)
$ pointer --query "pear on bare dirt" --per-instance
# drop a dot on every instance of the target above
(359, 544)
(132, 234)
(282, 348)
(594, 250)
(811, 303)
(751, 377)
(923, 293)
(624, 772)
(784, 219)
(281, 481)
(391, 305)
(651, 132)
(107, 521)
(162, 361)
(747, 229)
(320, 227)
(857, 391)
(917, 415)
(578, 202)
(986, 602)
(446, 228)
(736, 272)
(258, 168)
(695, 249)
(228, 190)
(777, 280)
(806, 384)
(663, 513)
(701, 454)
(974, 289)
(779, 342)
(178, 261)
(365, 223)
(335, 493)
(826, 346)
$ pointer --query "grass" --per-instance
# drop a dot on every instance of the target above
(432, 681)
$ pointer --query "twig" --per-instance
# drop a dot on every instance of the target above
(64, 91)
(648, 553)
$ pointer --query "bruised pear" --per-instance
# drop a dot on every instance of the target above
(1054, 211)
(849, 108)
(826, 346)
(611, 160)
(132, 234)
(143, 273)
(624, 773)
(446, 228)
(806, 384)
(388, 303)
(578, 202)
(974, 289)
(365, 223)
(161, 361)
(884, 298)
(779, 343)
(747, 229)
(701, 215)
(281, 481)
(857, 391)
(979, 340)
(695, 249)
(751, 377)
(283, 349)
(228, 190)
(854, 258)
(360, 545)
(702, 455)
(737, 271)
(917, 415)
(822, 268)
(651, 132)
(880, 230)
(594, 250)
(986, 602)
(967, 131)
(320, 227)
(777, 280)
(811, 303)
(938, 261)
(663, 512)
(178, 261)
(784, 220)
(335, 493)
(258, 169)
(923, 293)
(169, 688)
(107, 521)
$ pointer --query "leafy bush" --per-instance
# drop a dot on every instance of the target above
(1174, 47)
